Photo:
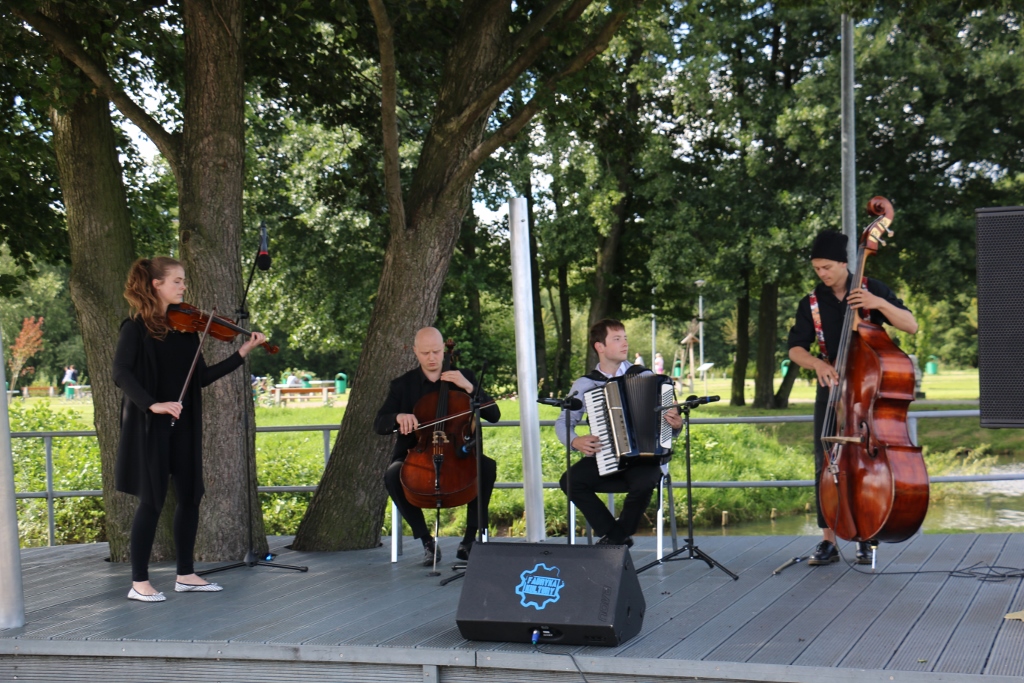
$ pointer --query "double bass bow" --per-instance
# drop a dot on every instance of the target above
(438, 472)
(874, 486)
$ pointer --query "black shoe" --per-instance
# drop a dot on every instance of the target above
(608, 540)
(825, 553)
(430, 548)
(863, 553)
(463, 552)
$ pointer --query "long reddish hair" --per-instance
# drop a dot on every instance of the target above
(141, 296)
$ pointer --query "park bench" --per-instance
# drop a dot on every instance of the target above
(282, 395)
(27, 392)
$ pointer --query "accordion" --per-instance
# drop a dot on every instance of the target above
(622, 414)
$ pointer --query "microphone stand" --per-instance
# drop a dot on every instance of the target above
(688, 546)
(566, 406)
(251, 559)
(481, 511)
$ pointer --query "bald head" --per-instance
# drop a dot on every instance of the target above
(427, 335)
(429, 349)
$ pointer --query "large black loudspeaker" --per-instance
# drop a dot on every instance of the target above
(568, 594)
(1001, 315)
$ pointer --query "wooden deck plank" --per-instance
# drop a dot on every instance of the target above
(809, 586)
(802, 626)
(679, 618)
(975, 635)
(683, 584)
(842, 628)
(1005, 658)
(879, 643)
(826, 616)
(730, 619)
(930, 634)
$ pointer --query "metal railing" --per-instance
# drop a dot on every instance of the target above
(51, 495)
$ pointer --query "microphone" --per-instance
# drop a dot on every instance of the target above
(263, 257)
(691, 401)
(570, 403)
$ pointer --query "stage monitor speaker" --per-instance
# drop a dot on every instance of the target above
(1001, 315)
(568, 594)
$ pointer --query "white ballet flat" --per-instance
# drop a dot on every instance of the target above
(196, 588)
(136, 595)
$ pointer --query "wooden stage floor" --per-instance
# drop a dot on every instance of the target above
(356, 617)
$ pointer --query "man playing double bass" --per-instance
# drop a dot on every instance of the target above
(397, 414)
(820, 315)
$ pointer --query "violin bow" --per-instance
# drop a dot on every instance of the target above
(488, 404)
(191, 370)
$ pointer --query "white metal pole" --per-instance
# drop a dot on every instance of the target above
(654, 332)
(700, 328)
(526, 368)
(12, 596)
(849, 159)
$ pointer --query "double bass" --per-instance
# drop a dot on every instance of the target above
(439, 471)
(874, 486)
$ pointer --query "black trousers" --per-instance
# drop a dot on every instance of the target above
(414, 515)
(636, 481)
(820, 407)
(186, 514)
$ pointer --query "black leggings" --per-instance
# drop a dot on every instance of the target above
(186, 514)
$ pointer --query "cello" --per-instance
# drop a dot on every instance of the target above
(874, 486)
(439, 472)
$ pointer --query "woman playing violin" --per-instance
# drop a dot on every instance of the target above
(161, 432)
(397, 414)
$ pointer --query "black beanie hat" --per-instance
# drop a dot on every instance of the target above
(830, 245)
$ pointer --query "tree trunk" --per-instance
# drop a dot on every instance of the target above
(212, 175)
(539, 336)
(739, 368)
(347, 511)
(767, 323)
(100, 238)
(782, 395)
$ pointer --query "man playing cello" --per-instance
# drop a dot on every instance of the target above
(397, 414)
(820, 315)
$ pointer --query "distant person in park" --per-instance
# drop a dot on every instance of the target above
(151, 364)
(638, 360)
(639, 476)
(69, 382)
(397, 415)
(819, 316)
(293, 381)
(659, 364)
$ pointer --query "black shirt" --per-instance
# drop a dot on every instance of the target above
(174, 355)
(404, 393)
(832, 312)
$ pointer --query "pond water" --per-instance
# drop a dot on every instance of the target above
(984, 507)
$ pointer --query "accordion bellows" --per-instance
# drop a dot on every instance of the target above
(623, 414)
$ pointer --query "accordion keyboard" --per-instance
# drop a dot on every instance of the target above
(600, 426)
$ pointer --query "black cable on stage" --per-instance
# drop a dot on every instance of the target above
(536, 646)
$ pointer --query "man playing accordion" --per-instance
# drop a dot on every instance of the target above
(639, 475)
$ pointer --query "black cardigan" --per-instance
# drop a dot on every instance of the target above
(142, 468)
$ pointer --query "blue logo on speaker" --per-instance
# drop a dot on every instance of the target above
(539, 586)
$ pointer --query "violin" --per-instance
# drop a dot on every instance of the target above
(439, 472)
(875, 483)
(187, 318)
